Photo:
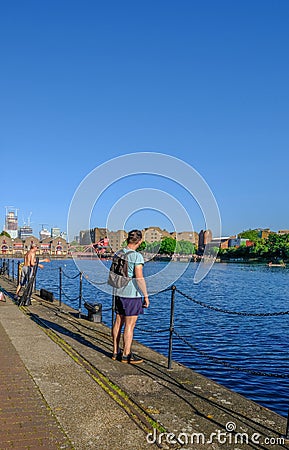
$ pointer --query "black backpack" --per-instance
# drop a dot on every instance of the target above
(118, 273)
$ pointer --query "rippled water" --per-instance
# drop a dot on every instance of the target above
(255, 343)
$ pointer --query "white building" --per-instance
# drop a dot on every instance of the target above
(11, 222)
(55, 232)
(25, 232)
(44, 233)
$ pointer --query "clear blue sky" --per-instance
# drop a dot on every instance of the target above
(207, 82)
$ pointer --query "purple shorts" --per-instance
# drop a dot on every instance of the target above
(128, 306)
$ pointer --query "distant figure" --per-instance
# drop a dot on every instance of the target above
(128, 301)
(27, 268)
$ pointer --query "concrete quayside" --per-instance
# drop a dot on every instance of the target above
(97, 403)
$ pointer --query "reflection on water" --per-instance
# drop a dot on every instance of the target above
(256, 343)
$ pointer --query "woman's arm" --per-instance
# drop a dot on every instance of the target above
(138, 271)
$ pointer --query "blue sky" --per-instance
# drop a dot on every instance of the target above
(206, 82)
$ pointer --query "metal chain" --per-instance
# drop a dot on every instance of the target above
(71, 278)
(152, 331)
(227, 364)
(160, 292)
(239, 313)
(95, 283)
(68, 298)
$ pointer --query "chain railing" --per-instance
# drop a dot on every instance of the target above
(214, 359)
(9, 271)
(227, 311)
(228, 364)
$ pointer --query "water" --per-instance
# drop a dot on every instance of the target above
(255, 343)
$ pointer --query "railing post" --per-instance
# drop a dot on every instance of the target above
(287, 428)
(60, 286)
(8, 268)
(80, 294)
(37, 262)
(18, 273)
(172, 320)
(13, 270)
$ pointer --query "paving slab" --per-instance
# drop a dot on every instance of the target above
(26, 419)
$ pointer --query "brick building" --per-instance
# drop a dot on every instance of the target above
(116, 239)
(154, 234)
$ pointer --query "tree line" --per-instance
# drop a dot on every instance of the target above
(168, 246)
(274, 247)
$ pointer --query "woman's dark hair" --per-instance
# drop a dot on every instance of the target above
(134, 236)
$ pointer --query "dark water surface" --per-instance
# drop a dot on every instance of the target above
(254, 343)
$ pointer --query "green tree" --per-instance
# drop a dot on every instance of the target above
(260, 248)
(214, 251)
(185, 248)
(252, 235)
(286, 251)
(4, 233)
(153, 247)
(168, 246)
(142, 247)
(278, 245)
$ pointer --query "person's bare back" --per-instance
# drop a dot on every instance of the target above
(29, 258)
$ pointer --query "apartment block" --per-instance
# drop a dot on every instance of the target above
(116, 239)
(154, 234)
(191, 236)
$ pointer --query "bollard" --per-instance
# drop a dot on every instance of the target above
(172, 319)
(80, 294)
(46, 295)
(60, 285)
(94, 312)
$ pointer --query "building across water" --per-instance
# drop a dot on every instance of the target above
(50, 247)
(11, 222)
(117, 238)
(25, 232)
(44, 233)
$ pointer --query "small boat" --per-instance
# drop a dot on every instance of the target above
(270, 264)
